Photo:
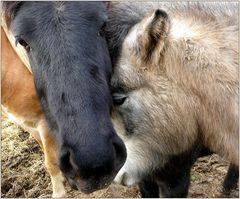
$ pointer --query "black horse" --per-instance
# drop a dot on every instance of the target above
(71, 67)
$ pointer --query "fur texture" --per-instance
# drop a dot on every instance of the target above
(71, 69)
(20, 103)
(178, 68)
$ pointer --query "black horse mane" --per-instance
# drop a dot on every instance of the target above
(10, 9)
(118, 25)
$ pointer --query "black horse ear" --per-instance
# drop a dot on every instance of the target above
(9, 9)
(155, 31)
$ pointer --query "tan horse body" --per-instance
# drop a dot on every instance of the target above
(20, 103)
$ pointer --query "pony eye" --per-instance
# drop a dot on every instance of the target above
(118, 99)
(23, 43)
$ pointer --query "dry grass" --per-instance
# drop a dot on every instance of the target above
(23, 173)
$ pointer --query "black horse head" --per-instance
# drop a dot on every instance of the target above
(71, 66)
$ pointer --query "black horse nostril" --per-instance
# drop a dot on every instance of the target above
(93, 163)
(65, 164)
(65, 161)
(120, 150)
(72, 183)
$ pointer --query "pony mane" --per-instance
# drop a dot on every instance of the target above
(122, 16)
(10, 9)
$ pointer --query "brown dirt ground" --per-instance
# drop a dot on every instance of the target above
(23, 173)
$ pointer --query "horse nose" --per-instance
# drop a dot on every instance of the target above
(104, 158)
(66, 165)
(120, 151)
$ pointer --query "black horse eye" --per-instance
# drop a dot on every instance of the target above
(101, 32)
(118, 99)
(23, 43)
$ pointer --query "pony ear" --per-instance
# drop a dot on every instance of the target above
(155, 31)
(159, 25)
